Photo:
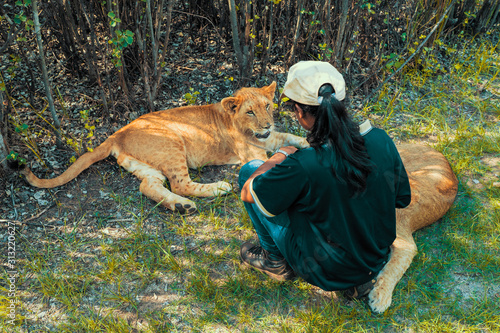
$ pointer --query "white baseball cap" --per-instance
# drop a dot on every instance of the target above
(306, 77)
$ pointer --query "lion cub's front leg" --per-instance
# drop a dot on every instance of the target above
(402, 252)
(278, 140)
(182, 184)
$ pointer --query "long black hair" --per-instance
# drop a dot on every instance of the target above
(339, 132)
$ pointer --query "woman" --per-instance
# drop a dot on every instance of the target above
(326, 213)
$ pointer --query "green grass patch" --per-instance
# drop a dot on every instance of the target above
(156, 271)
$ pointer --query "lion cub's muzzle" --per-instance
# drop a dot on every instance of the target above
(264, 133)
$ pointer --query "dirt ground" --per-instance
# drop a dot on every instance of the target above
(98, 202)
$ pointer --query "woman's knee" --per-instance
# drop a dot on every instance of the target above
(248, 169)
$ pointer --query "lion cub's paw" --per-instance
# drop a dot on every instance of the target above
(184, 206)
(222, 188)
(303, 143)
(379, 300)
(186, 209)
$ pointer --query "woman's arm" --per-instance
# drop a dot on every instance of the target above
(277, 158)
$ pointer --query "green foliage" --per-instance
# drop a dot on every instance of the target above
(120, 41)
(22, 128)
(21, 18)
(78, 143)
(368, 6)
(114, 19)
(13, 156)
(27, 136)
(191, 97)
(327, 51)
(392, 62)
(14, 62)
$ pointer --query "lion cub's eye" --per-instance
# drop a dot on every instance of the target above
(268, 106)
(250, 113)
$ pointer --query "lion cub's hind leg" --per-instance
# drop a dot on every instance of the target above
(152, 185)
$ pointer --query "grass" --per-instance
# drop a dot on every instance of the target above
(160, 272)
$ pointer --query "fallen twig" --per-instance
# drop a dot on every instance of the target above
(31, 218)
(27, 223)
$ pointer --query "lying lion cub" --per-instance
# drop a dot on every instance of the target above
(433, 190)
(166, 143)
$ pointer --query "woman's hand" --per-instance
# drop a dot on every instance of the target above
(269, 164)
(289, 149)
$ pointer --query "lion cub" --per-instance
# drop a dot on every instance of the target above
(434, 187)
(164, 144)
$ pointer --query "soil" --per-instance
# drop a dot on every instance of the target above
(95, 204)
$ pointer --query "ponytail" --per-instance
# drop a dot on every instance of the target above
(339, 132)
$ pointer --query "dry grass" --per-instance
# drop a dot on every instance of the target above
(115, 262)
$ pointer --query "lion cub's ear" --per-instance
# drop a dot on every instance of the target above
(269, 90)
(231, 104)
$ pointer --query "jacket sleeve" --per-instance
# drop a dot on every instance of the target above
(277, 189)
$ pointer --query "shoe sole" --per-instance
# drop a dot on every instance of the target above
(360, 291)
(276, 277)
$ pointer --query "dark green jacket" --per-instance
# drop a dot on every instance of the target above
(336, 241)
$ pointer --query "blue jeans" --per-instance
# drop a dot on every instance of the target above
(271, 231)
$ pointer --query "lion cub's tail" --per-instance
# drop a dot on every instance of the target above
(82, 163)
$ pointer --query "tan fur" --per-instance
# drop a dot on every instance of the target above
(162, 145)
(434, 187)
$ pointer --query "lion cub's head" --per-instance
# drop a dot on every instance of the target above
(252, 110)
